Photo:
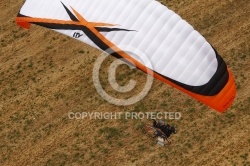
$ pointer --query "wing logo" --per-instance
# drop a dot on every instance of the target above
(77, 35)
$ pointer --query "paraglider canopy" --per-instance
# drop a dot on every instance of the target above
(176, 53)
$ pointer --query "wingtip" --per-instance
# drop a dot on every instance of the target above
(23, 24)
(227, 96)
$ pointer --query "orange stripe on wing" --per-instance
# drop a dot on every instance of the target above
(89, 24)
(45, 20)
(25, 22)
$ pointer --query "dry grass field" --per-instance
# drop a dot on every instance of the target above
(41, 81)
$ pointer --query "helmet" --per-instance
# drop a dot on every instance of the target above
(161, 122)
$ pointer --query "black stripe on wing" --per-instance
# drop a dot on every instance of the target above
(106, 29)
(71, 15)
